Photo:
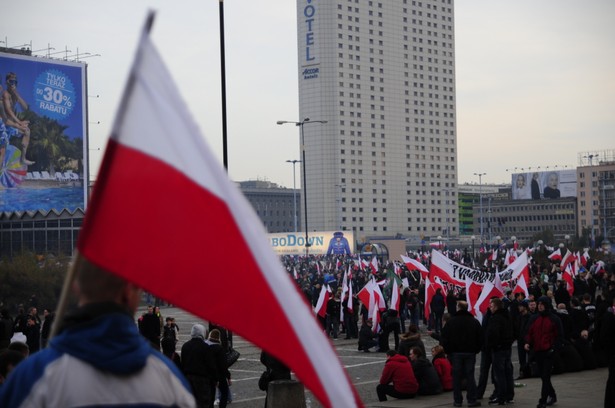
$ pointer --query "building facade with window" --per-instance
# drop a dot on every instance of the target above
(382, 75)
(39, 232)
(596, 194)
(525, 218)
(274, 205)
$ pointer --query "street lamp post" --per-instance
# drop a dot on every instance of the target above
(473, 253)
(339, 207)
(294, 191)
(302, 141)
(480, 193)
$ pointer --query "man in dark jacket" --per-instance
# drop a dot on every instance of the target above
(149, 327)
(544, 337)
(222, 375)
(499, 339)
(462, 339)
(437, 305)
(198, 366)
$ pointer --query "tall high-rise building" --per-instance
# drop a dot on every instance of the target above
(382, 74)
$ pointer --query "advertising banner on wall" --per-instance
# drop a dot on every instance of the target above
(42, 134)
(544, 185)
(322, 243)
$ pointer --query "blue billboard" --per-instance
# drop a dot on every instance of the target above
(43, 156)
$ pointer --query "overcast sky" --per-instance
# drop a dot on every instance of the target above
(535, 82)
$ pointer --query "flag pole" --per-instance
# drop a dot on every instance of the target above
(63, 302)
(78, 259)
(223, 87)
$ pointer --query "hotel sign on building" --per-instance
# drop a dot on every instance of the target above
(308, 40)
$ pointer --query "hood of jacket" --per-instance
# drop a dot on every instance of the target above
(105, 336)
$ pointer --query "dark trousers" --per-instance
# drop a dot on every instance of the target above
(387, 389)
(463, 368)
(483, 377)
(351, 326)
(394, 327)
(438, 320)
(522, 357)
(544, 361)
(201, 389)
(503, 375)
(224, 392)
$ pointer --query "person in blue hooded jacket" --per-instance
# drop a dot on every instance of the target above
(98, 357)
(338, 245)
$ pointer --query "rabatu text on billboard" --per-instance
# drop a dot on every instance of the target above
(43, 157)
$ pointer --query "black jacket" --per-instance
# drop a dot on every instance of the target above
(462, 334)
(499, 334)
(427, 377)
(198, 359)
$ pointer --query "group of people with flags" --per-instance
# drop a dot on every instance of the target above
(385, 296)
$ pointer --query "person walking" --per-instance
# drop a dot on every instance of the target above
(462, 339)
(544, 337)
(198, 365)
(499, 338)
(222, 380)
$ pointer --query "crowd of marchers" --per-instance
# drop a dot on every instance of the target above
(550, 329)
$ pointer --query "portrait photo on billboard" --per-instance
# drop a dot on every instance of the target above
(42, 134)
(540, 185)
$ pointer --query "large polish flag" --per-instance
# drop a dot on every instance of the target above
(162, 198)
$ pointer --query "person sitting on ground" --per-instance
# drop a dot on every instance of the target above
(425, 373)
(397, 379)
(409, 339)
(367, 337)
(443, 367)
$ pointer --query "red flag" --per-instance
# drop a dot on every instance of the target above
(161, 197)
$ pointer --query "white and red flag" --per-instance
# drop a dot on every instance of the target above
(567, 259)
(161, 197)
(374, 265)
(323, 298)
(556, 255)
(584, 259)
(490, 289)
(413, 264)
(371, 296)
(568, 276)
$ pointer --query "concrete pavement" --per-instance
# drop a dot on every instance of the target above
(581, 389)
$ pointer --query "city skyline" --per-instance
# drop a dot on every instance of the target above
(532, 79)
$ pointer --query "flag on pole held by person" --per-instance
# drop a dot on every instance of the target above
(162, 197)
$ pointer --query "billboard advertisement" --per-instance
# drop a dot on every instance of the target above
(42, 134)
(544, 185)
(322, 243)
